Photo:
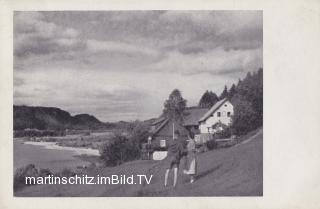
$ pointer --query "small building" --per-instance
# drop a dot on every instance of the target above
(162, 131)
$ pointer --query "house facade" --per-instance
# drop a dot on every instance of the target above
(221, 112)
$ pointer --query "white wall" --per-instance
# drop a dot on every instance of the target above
(224, 109)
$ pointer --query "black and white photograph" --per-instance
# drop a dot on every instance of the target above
(138, 103)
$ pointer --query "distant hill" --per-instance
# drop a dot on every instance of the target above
(44, 118)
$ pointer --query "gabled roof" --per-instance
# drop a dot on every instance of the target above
(213, 109)
(163, 123)
(158, 120)
(192, 116)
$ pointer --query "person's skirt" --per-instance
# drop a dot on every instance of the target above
(191, 164)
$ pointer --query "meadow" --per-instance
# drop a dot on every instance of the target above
(232, 171)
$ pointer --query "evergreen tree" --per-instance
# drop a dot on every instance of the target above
(208, 99)
(232, 91)
(224, 93)
(249, 92)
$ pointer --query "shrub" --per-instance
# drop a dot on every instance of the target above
(66, 172)
(211, 144)
(44, 172)
(20, 174)
(119, 150)
(224, 134)
(139, 133)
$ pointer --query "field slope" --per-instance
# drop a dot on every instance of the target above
(234, 171)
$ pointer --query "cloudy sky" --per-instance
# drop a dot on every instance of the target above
(122, 65)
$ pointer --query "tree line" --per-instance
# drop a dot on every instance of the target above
(247, 99)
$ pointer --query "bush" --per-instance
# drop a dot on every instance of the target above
(66, 172)
(44, 172)
(119, 150)
(224, 134)
(20, 174)
(31, 171)
(245, 119)
(38, 133)
(211, 144)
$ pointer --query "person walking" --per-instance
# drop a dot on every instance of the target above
(175, 152)
(191, 169)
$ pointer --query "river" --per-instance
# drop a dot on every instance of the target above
(47, 155)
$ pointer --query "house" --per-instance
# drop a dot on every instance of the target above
(221, 112)
(162, 131)
(201, 121)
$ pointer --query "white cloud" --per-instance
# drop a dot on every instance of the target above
(67, 41)
(217, 61)
(109, 46)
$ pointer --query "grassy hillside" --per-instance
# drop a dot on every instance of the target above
(234, 171)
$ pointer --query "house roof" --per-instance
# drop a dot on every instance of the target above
(192, 116)
(163, 123)
(213, 109)
(158, 120)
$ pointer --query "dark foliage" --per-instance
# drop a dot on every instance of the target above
(211, 144)
(208, 99)
(244, 118)
(20, 174)
(224, 134)
(232, 91)
(31, 170)
(38, 133)
(224, 94)
(119, 150)
(248, 103)
(174, 106)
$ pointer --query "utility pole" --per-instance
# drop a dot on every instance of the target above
(173, 130)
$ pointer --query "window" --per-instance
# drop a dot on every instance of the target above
(162, 143)
(219, 114)
(229, 114)
(225, 105)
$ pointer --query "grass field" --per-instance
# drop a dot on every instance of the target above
(234, 171)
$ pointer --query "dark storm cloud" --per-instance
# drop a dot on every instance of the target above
(34, 35)
(139, 37)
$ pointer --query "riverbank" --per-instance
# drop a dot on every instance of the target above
(76, 150)
(51, 156)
